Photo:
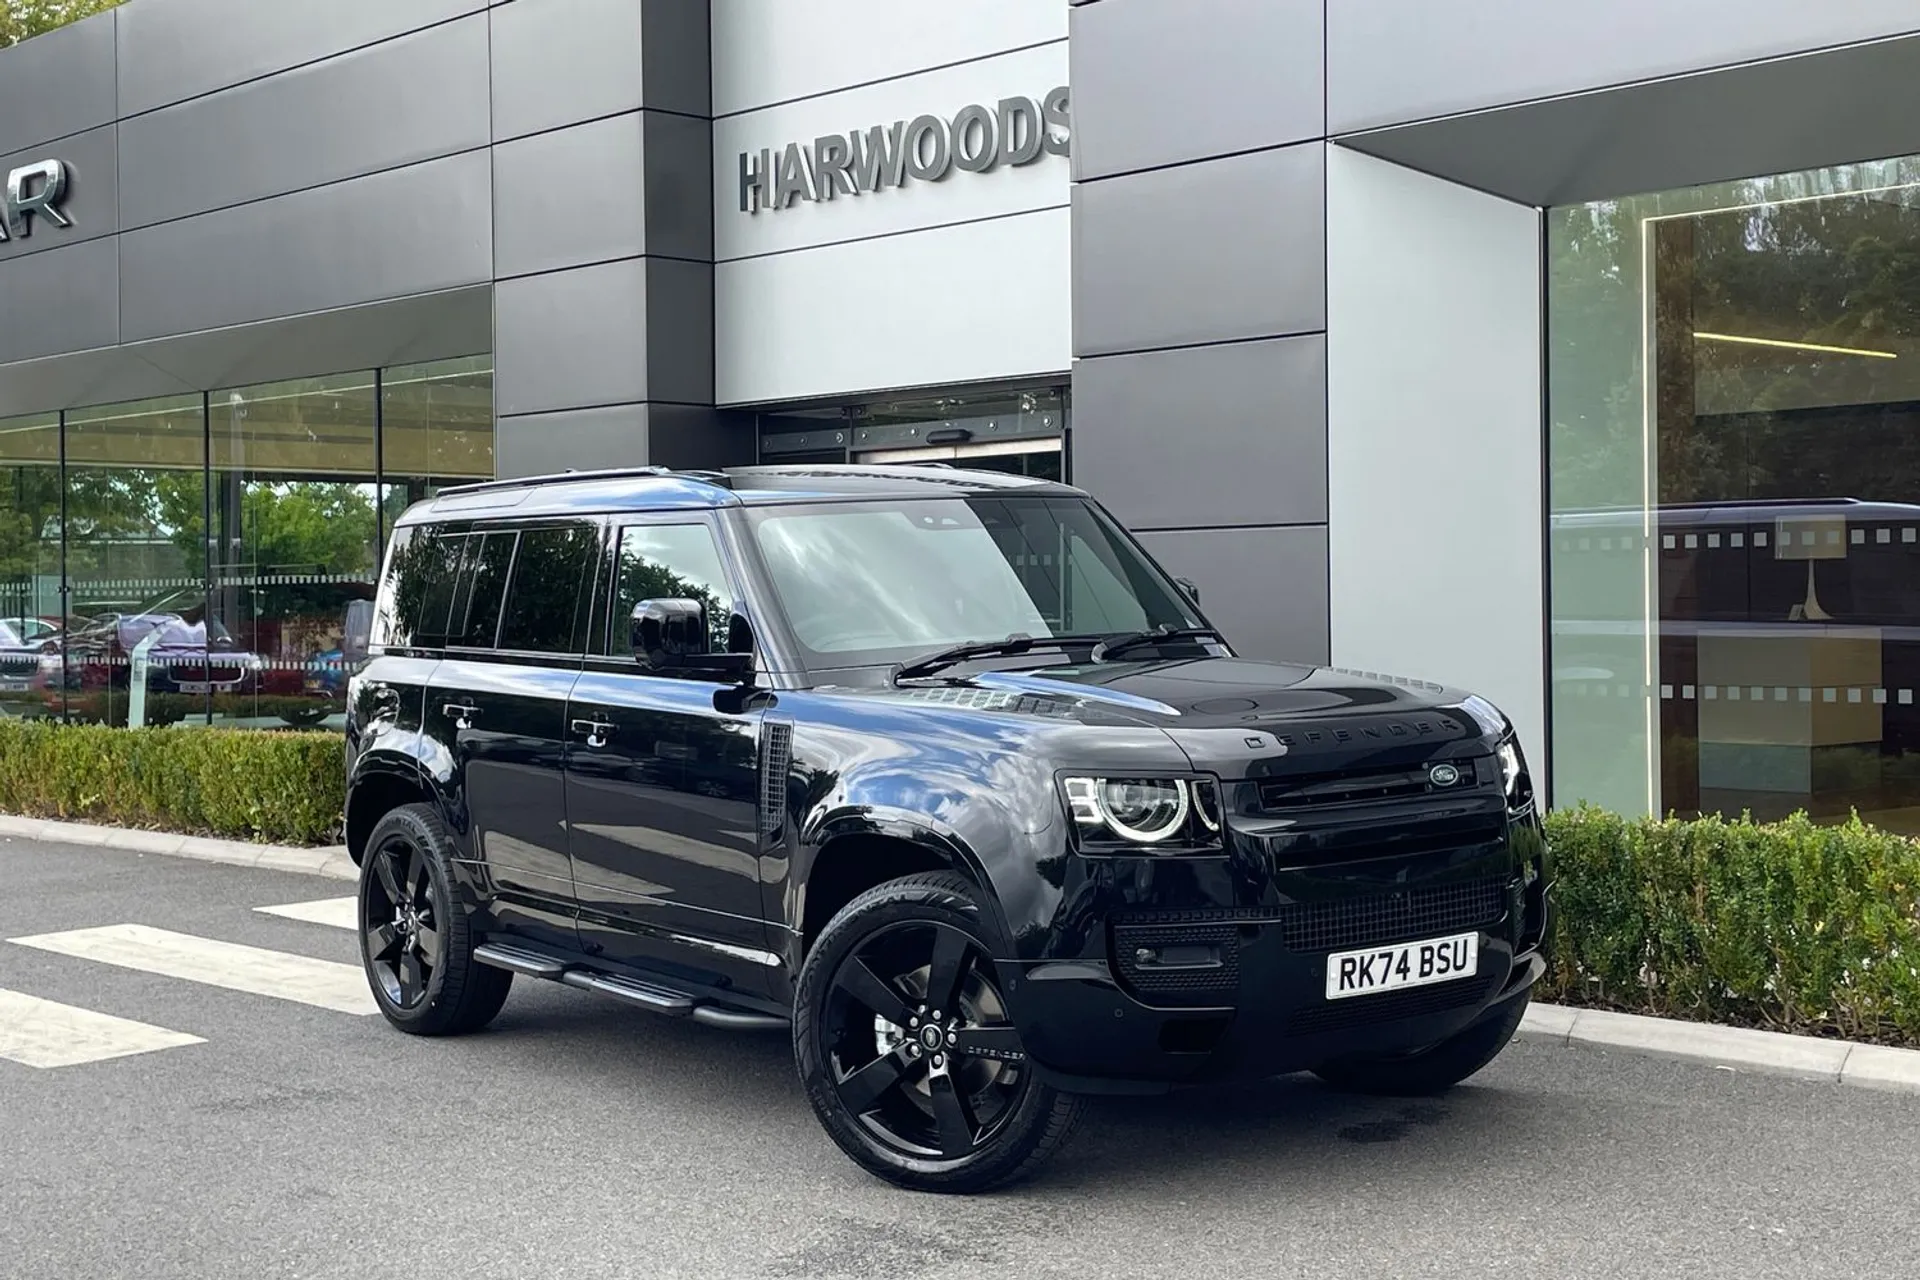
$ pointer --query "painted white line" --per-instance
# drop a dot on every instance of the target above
(335, 913)
(255, 970)
(41, 1033)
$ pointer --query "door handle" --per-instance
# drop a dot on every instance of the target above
(597, 731)
(461, 713)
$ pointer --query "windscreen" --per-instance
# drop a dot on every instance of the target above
(873, 582)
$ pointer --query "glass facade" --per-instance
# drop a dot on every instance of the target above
(217, 554)
(1022, 431)
(1734, 480)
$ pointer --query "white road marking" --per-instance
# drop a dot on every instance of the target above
(41, 1033)
(336, 913)
(256, 970)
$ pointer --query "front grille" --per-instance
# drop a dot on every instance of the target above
(1178, 985)
(16, 665)
(1394, 917)
(1362, 1011)
(1350, 786)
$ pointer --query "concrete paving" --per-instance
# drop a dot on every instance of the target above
(278, 1137)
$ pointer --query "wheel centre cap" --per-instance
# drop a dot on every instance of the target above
(930, 1036)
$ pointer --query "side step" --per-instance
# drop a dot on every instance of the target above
(655, 999)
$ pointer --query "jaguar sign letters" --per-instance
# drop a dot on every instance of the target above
(34, 189)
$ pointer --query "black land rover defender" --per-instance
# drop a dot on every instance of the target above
(936, 770)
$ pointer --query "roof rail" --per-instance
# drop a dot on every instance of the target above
(611, 473)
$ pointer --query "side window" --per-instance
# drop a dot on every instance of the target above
(668, 562)
(417, 589)
(483, 582)
(547, 600)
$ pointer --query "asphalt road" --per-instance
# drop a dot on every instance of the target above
(578, 1138)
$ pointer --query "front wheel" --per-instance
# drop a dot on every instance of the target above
(904, 1044)
(1434, 1069)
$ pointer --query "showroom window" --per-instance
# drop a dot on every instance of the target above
(1022, 431)
(220, 552)
(1734, 459)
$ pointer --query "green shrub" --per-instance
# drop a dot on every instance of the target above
(284, 787)
(1790, 926)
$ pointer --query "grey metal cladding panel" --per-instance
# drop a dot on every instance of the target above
(568, 197)
(1857, 103)
(675, 52)
(1157, 83)
(1221, 435)
(571, 339)
(1266, 588)
(78, 288)
(172, 50)
(583, 439)
(679, 331)
(387, 235)
(558, 62)
(92, 200)
(1397, 60)
(61, 83)
(1209, 252)
(679, 186)
(395, 103)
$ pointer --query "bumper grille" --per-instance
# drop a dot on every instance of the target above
(1361, 1011)
(1394, 917)
(1197, 984)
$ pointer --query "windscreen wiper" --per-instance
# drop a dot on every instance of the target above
(1013, 645)
(1106, 649)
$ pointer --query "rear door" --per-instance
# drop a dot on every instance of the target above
(515, 636)
(662, 779)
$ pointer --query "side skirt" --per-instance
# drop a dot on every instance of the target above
(650, 994)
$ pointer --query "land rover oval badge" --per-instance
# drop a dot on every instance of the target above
(1443, 775)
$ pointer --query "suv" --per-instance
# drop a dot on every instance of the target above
(937, 772)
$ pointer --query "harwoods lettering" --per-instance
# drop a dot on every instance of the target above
(977, 139)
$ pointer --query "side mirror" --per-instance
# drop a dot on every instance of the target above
(1189, 588)
(673, 635)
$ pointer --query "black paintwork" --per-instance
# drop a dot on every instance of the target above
(621, 820)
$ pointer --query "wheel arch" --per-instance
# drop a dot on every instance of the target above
(854, 855)
(380, 785)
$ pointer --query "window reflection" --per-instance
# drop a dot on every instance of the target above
(1735, 473)
(436, 429)
(30, 613)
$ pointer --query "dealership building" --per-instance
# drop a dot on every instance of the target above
(1553, 351)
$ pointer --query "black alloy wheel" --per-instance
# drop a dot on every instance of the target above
(922, 1050)
(400, 921)
(415, 939)
(906, 1045)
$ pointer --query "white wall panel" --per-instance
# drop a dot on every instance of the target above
(1433, 435)
(961, 196)
(966, 303)
(768, 51)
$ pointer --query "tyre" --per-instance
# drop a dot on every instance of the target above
(1434, 1069)
(415, 941)
(906, 1050)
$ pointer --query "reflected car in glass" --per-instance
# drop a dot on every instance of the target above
(939, 774)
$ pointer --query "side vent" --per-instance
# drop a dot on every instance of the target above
(776, 760)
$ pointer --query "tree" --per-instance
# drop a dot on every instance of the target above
(24, 19)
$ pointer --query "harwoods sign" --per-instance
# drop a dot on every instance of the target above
(34, 189)
(977, 139)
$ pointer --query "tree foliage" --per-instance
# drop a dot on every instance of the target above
(24, 19)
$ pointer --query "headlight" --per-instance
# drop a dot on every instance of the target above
(1165, 813)
(1513, 775)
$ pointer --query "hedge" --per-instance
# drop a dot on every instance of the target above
(1786, 926)
(285, 787)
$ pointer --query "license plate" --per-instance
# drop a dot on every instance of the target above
(1409, 964)
(193, 686)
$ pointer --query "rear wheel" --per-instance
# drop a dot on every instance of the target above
(415, 940)
(1434, 1069)
(906, 1049)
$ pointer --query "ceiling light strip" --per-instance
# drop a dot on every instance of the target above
(1794, 346)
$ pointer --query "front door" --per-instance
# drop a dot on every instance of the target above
(499, 698)
(662, 783)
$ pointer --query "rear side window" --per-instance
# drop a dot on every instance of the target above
(548, 598)
(417, 589)
(482, 586)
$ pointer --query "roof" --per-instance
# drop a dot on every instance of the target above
(662, 489)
